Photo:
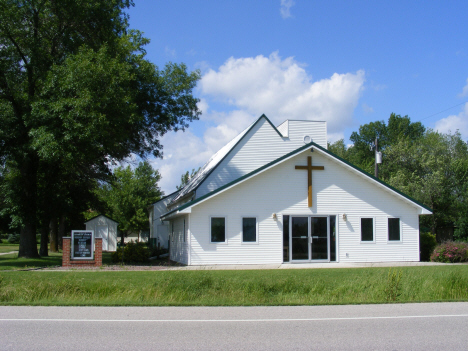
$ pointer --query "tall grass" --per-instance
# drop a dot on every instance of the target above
(233, 288)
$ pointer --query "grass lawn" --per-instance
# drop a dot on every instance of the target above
(234, 288)
(5, 247)
(11, 262)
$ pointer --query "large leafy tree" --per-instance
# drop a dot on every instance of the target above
(434, 170)
(129, 194)
(397, 128)
(76, 95)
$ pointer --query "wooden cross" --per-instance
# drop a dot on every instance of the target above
(309, 169)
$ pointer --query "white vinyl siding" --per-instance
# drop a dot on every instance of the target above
(337, 190)
(158, 228)
(106, 229)
(261, 145)
(316, 130)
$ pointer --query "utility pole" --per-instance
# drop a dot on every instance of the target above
(377, 157)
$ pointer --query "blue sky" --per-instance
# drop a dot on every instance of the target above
(346, 62)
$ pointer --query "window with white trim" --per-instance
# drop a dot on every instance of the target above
(367, 229)
(394, 229)
(249, 229)
(218, 229)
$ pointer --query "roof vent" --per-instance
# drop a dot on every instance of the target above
(307, 139)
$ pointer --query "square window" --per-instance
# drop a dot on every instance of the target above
(394, 229)
(249, 229)
(367, 229)
(218, 229)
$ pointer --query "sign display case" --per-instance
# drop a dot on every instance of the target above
(82, 244)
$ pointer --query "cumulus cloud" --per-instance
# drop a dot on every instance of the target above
(184, 151)
(282, 89)
(240, 90)
(455, 122)
(285, 8)
(465, 90)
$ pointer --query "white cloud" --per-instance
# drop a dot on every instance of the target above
(203, 106)
(465, 90)
(239, 91)
(455, 122)
(367, 109)
(184, 151)
(282, 89)
(332, 137)
(285, 8)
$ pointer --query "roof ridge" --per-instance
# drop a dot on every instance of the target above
(186, 190)
(290, 154)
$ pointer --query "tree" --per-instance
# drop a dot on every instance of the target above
(129, 194)
(185, 178)
(434, 171)
(361, 153)
(76, 96)
(338, 148)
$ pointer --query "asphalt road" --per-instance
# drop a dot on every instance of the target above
(435, 326)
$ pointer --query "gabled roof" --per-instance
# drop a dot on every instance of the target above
(164, 197)
(216, 159)
(284, 158)
(99, 215)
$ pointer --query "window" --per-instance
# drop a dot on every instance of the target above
(367, 229)
(394, 229)
(249, 229)
(218, 229)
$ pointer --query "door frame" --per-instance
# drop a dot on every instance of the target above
(309, 238)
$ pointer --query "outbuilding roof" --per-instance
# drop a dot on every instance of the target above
(89, 220)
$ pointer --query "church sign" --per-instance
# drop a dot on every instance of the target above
(82, 244)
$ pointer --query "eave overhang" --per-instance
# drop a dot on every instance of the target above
(182, 209)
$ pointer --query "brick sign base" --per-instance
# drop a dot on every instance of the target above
(68, 262)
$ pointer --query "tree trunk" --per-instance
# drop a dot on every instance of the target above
(53, 235)
(44, 249)
(28, 200)
(122, 238)
(28, 244)
(61, 231)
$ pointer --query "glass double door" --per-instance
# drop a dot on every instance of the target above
(310, 239)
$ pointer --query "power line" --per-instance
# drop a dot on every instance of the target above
(441, 111)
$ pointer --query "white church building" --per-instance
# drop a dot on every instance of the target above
(276, 195)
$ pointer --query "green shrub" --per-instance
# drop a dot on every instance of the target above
(155, 252)
(132, 253)
(427, 243)
(450, 252)
(13, 239)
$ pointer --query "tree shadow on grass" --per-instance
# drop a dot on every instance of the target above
(8, 262)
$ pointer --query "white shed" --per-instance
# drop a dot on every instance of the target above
(105, 228)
